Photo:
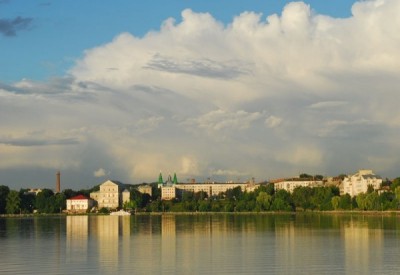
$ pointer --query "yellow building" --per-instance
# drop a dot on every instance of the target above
(171, 189)
(111, 195)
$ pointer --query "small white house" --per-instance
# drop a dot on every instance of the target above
(79, 203)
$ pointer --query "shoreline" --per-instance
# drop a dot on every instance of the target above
(333, 212)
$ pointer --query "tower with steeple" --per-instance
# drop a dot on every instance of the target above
(160, 180)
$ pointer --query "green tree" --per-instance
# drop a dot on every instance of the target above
(395, 183)
(302, 197)
(13, 202)
(104, 210)
(305, 176)
(69, 193)
(321, 198)
(360, 199)
(268, 188)
(201, 195)
(27, 201)
(372, 201)
(4, 190)
(204, 206)
(345, 202)
(318, 177)
(216, 206)
(187, 196)
(335, 202)
(234, 193)
(59, 202)
(154, 206)
(397, 192)
(388, 201)
(282, 201)
(45, 202)
(264, 200)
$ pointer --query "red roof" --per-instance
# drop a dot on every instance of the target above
(79, 197)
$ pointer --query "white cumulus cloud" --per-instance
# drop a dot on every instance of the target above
(262, 95)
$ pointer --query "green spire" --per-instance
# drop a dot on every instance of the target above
(175, 179)
(160, 180)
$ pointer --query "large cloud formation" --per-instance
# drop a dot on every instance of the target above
(260, 97)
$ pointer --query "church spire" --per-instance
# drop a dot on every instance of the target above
(160, 179)
(175, 179)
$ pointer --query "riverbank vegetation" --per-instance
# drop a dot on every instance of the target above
(264, 198)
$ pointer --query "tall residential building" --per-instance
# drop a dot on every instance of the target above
(359, 182)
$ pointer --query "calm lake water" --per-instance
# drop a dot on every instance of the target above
(201, 244)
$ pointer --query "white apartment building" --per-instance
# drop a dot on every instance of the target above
(290, 184)
(79, 203)
(212, 189)
(110, 195)
(359, 182)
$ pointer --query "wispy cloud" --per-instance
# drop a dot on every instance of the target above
(10, 27)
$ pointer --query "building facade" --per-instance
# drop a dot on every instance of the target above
(79, 204)
(359, 182)
(171, 189)
(290, 184)
(111, 195)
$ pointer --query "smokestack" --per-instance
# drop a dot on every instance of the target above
(58, 183)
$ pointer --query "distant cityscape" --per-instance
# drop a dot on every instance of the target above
(363, 190)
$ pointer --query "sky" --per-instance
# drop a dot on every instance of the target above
(223, 90)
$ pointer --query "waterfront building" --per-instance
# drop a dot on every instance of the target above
(171, 189)
(359, 182)
(168, 188)
(79, 204)
(290, 184)
(112, 194)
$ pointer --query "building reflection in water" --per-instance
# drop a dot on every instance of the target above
(228, 243)
(168, 243)
(363, 247)
(353, 247)
(77, 232)
(112, 235)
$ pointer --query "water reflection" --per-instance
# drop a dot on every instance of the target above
(182, 244)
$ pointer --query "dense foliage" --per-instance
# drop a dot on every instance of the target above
(234, 200)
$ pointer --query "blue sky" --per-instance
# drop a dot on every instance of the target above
(206, 89)
(59, 31)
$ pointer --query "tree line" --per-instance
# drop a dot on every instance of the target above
(264, 198)
(46, 201)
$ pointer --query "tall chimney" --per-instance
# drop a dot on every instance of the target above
(58, 183)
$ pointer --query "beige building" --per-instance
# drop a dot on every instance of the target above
(79, 204)
(111, 195)
(359, 182)
(290, 184)
(213, 189)
(171, 189)
(168, 192)
(145, 189)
